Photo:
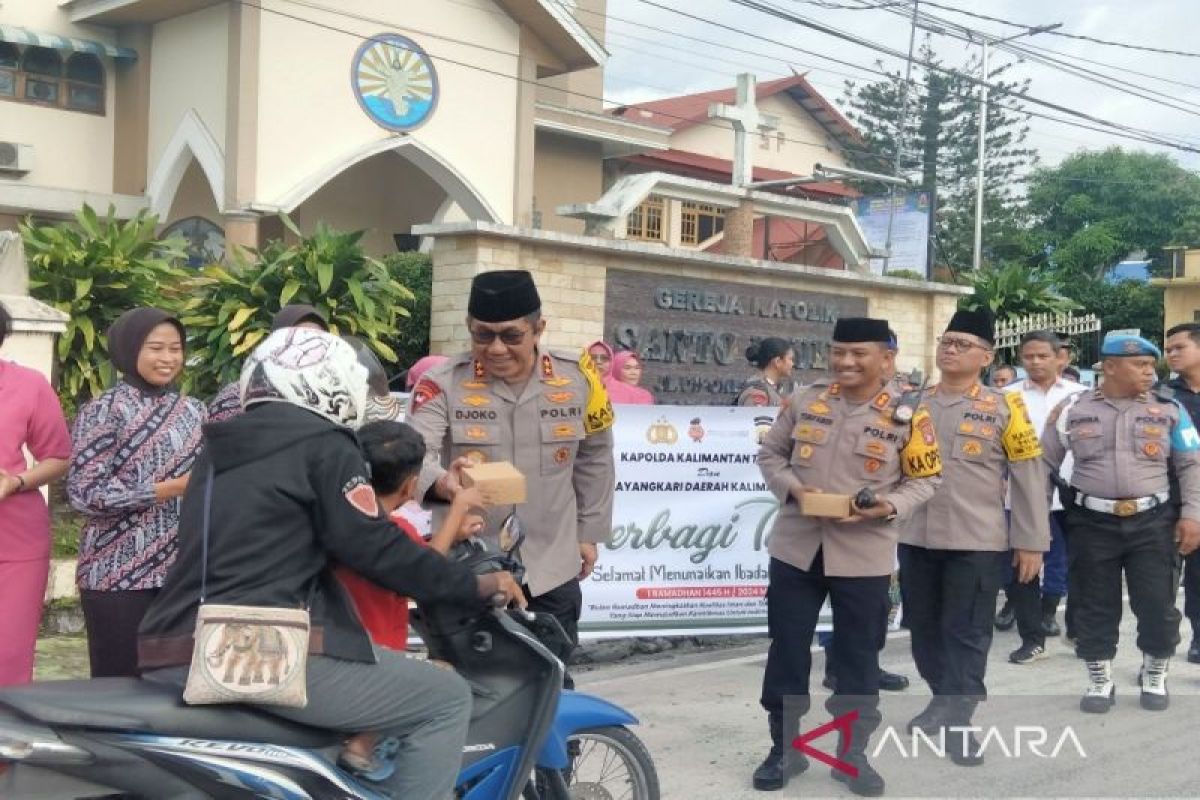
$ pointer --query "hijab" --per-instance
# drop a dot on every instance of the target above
(619, 391)
(290, 316)
(311, 369)
(126, 337)
(603, 345)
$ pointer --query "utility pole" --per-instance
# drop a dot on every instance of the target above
(977, 260)
(912, 39)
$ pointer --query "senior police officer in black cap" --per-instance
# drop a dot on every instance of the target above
(547, 413)
(852, 434)
(953, 554)
(1119, 521)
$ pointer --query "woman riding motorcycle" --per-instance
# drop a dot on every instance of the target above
(290, 497)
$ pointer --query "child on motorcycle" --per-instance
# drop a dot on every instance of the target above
(395, 452)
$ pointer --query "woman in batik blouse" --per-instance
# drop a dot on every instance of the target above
(132, 451)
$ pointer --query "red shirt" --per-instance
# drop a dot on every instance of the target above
(382, 612)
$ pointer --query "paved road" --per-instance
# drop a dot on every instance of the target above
(701, 721)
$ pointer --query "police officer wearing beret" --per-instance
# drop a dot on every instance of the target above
(841, 437)
(1119, 518)
(547, 413)
(953, 554)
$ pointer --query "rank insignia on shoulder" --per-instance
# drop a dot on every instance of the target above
(882, 400)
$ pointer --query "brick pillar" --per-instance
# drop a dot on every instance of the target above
(241, 230)
(739, 230)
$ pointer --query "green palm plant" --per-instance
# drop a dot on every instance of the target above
(1015, 290)
(230, 309)
(94, 270)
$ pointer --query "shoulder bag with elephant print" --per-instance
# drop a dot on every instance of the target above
(246, 654)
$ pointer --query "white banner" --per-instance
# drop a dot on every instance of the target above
(688, 553)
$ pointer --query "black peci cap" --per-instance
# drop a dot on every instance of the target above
(977, 323)
(862, 329)
(503, 295)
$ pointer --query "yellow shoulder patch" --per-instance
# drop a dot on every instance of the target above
(1020, 439)
(599, 413)
(920, 457)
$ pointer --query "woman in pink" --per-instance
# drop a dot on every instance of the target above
(622, 382)
(32, 418)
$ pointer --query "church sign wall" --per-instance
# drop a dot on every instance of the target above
(692, 334)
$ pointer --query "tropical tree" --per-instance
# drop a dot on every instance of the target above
(1095, 208)
(941, 139)
(93, 271)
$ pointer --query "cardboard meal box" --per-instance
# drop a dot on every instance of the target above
(501, 483)
(820, 504)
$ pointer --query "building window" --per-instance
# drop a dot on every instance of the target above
(646, 221)
(700, 222)
(39, 75)
(10, 61)
(85, 82)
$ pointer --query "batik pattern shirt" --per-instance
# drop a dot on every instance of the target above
(227, 404)
(124, 442)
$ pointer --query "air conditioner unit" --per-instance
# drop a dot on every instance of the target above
(16, 158)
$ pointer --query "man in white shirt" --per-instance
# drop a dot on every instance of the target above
(1033, 606)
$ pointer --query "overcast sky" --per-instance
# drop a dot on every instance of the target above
(648, 64)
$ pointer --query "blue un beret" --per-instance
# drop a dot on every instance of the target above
(1128, 346)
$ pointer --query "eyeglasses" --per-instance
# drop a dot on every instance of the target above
(947, 343)
(509, 336)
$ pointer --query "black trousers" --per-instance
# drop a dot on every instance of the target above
(860, 611)
(565, 603)
(1191, 591)
(949, 599)
(1101, 548)
(112, 620)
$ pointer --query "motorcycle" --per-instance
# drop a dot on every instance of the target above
(121, 739)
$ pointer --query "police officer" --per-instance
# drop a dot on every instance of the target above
(840, 437)
(1118, 514)
(953, 553)
(547, 413)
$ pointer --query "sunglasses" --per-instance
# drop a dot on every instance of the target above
(509, 336)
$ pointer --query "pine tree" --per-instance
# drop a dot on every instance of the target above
(940, 146)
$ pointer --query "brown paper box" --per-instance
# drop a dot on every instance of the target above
(500, 482)
(819, 504)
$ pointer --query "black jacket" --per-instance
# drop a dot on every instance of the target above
(281, 513)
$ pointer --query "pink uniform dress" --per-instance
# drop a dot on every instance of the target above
(30, 417)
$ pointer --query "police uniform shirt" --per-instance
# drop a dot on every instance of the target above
(984, 435)
(760, 392)
(1122, 447)
(822, 440)
(557, 432)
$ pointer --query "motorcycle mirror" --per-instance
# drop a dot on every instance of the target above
(511, 534)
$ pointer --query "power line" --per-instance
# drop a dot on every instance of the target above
(1064, 34)
(779, 13)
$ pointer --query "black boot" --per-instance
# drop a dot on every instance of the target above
(1049, 611)
(931, 720)
(1007, 617)
(961, 745)
(867, 782)
(781, 763)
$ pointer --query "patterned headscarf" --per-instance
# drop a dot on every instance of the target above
(311, 369)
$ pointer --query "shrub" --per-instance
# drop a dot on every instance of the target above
(414, 270)
(230, 309)
(94, 271)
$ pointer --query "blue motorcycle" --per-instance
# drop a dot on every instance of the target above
(124, 738)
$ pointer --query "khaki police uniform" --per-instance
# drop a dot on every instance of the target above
(823, 441)
(557, 430)
(760, 392)
(954, 552)
(1118, 513)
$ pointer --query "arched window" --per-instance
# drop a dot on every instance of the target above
(85, 82)
(10, 59)
(43, 71)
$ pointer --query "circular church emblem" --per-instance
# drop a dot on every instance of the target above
(394, 82)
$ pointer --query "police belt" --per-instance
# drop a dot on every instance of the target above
(1121, 508)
